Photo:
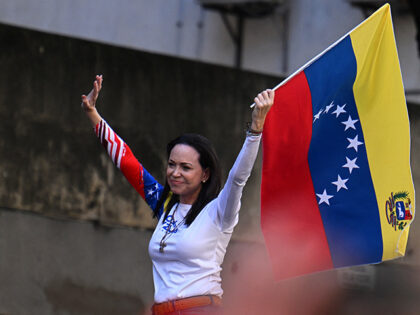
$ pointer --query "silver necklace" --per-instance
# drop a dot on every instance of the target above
(168, 234)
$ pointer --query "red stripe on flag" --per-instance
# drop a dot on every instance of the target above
(290, 218)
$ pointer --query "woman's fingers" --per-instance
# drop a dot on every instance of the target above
(257, 101)
(263, 102)
(93, 95)
(264, 99)
(95, 91)
(85, 102)
(99, 80)
(268, 96)
(88, 102)
(265, 96)
(97, 85)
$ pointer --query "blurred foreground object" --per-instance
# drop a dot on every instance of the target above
(337, 188)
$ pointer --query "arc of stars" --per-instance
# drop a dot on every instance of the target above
(354, 143)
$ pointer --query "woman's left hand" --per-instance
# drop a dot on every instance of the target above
(263, 103)
(89, 101)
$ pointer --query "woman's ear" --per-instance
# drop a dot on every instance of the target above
(206, 175)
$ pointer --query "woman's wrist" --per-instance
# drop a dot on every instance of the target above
(256, 127)
(250, 131)
(93, 116)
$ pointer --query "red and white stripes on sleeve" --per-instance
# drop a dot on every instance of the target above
(112, 143)
(125, 160)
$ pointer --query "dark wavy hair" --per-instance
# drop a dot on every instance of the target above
(210, 189)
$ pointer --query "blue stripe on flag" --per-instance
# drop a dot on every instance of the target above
(351, 219)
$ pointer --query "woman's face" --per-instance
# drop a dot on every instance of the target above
(184, 173)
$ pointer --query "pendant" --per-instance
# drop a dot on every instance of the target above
(161, 247)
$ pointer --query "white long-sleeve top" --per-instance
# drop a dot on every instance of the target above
(191, 262)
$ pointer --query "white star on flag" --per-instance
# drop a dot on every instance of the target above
(339, 110)
(351, 164)
(328, 107)
(340, 183)
(350, 123)
(354, 143)
(324, 197)
(317, 115)
(150, 192)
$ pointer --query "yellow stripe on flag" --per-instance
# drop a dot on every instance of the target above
(380, 100)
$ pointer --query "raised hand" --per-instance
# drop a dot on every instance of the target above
(263, 103)
(89, 101)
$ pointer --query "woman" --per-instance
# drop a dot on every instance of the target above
(195, 218)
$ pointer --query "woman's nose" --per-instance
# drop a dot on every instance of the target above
(176, 172)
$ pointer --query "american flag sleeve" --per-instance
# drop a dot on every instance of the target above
(132, 169)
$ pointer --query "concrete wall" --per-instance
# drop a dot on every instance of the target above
(50, 266)
(61, 267)
(51, 161)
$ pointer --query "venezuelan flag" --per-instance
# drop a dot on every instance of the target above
(336, 186)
